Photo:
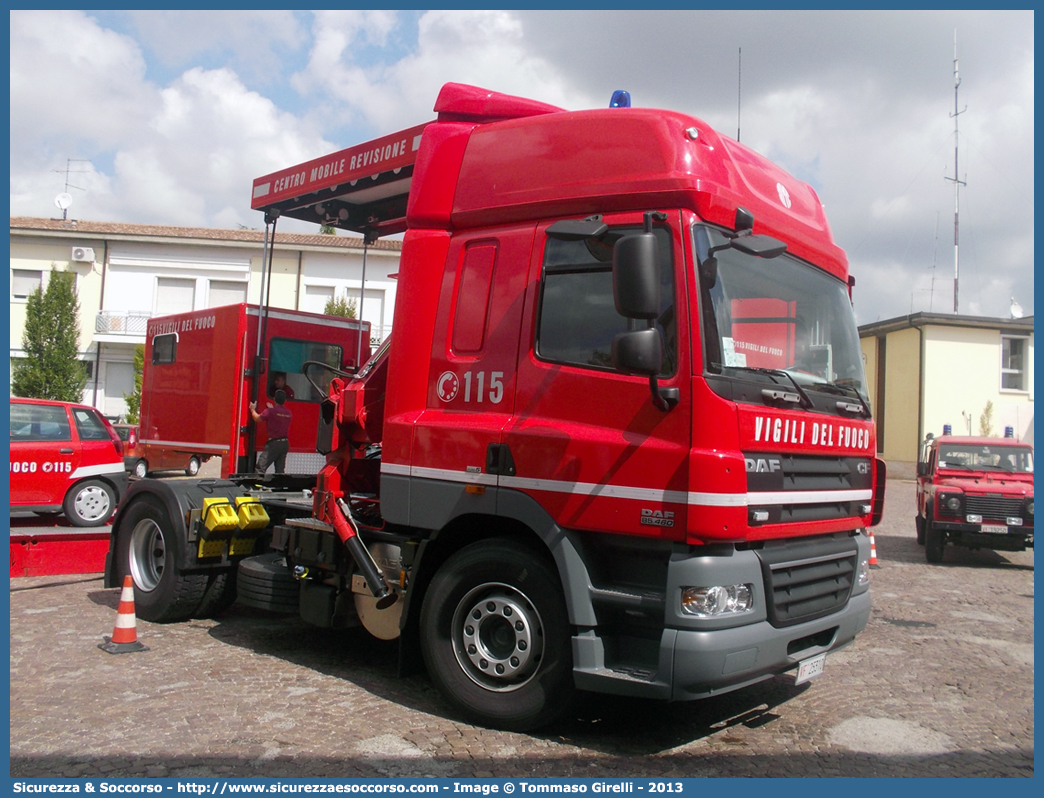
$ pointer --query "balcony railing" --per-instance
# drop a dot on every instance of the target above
(122, 322)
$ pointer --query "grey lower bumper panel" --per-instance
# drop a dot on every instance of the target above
(697, 664)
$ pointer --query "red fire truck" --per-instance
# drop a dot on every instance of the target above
(619, 442)
(199, 376)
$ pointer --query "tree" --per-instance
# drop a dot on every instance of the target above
(133, 399)
(341, 306)
(51, 341)
(986, 421)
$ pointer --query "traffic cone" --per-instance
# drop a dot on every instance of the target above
(873, 552)
(125, 634)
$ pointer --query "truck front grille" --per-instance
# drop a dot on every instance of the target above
(789, 489)
(993, 507)
(807, 579)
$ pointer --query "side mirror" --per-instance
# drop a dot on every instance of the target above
(922, 469)
(638, 352)
(759, 246)
(636, 277)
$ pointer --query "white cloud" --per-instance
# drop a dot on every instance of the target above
(486, 48)
(73, 81)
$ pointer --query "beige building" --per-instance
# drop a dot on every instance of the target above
(126, 273)
(929, 370)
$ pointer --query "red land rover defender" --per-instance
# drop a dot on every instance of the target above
(975, 492)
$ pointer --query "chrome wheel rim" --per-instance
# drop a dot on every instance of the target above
(148, 554)
(498, 637)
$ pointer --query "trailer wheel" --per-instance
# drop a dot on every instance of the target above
(919, 524)
(219, 596)
(265, 582)
(934, 542)
(193, 466)
(141, 468)
(149, 549)
(495, 636)
(89, 503)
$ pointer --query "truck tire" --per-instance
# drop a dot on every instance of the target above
(919, 525)
(219, 595)
(149, 549)
(265, 583)
(193, 466)
(141, 468)
(495, 636)
(934, 543)
(89, 503)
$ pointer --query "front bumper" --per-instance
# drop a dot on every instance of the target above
(697, 658)
(1018, 538)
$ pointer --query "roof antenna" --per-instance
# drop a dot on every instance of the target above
(739, 92)
(957, 183)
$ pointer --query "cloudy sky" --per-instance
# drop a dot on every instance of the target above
(166, 117)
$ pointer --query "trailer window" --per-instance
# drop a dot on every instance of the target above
(578, 318)
(289, 368)
(164, 349)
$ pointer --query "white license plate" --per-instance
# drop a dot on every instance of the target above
(994, 529)
(810, 668)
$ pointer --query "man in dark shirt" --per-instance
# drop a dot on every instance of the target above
(277, 421)
(279, 384)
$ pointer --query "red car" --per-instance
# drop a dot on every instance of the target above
(65, 458)
(974, 492)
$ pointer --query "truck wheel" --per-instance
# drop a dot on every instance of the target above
(265, 582)
(919, 524)
(149, 549)
(141, 469)
(193, 466)
(934, 543)
(89, 503)
(219, 596)
(495, 636)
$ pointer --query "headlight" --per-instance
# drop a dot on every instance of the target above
(710, 602)
(1029, 506)
(951, 503)
(864, 572)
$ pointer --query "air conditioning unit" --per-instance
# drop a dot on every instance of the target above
(83, 254)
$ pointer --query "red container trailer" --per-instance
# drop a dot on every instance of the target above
(625, 446)
(198, 382)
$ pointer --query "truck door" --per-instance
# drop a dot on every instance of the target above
(586, 441)
(473, 360)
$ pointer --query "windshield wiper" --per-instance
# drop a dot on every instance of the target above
(841, 390)
(804, 401)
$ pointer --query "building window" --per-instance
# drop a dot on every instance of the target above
(25, 282)
(1013, 364)
(174, 295)
(316, 297)
(226, 292)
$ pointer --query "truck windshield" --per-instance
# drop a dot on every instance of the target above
(777, 315)
(1017, 459)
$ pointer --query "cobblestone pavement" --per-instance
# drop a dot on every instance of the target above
(940, 684)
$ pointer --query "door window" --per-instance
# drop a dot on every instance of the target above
(33, 423)
(89, 425)
(578, 318)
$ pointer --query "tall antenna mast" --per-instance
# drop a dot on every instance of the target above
(739, 92)
(956, 182)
